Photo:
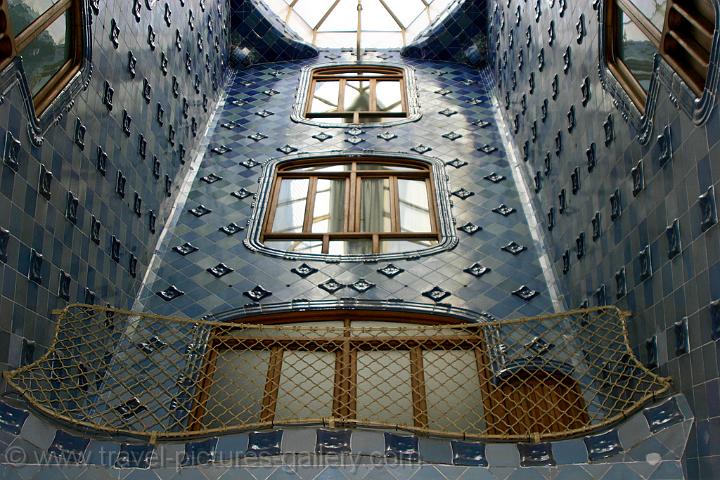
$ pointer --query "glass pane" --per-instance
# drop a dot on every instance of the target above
(329, 208)
(334, 40)
(389, 98)
(237, 389)
(290, 211)
(383, 387)
(636, 51)
(414, 207)
(359, 246)
(343, 167)
(47, 53)
(382, 39)
(343, 18)
(375, 205)
(654, 10)
(405, 10)
(357, 74)
(325, 99)
(398, 246)
(313, 10)
(374, 119)
(376, 17)
(24, 12)
(453, 393)
(306, 385)
(380, 166)
(357, 96)
(300, 246)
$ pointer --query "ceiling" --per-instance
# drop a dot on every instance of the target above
(383, 23)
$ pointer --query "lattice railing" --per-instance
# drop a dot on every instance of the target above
(535, 378)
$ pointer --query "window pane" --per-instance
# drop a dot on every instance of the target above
(397, 246)
(24, 12)
(380, 166)
(329, 209)
(383, 387)
(414, 208)
(375, 205)
(357, 96)
(47, 53)
(453, 393)
(343, 167)
(306, 385)
(325, 99)
(654, 10)
(373, 119)
(360, 246)
(237, 388)
(300, 246)
(290, 211)
(388, 97)
(636, 51)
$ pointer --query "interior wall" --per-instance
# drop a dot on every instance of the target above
(599, 265)
(192, 36)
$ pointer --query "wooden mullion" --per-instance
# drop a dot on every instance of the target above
(373, 95)
(272, 385)
(325, 243)
(349, 235)
(376, 243)
(52, 89)
(404, 95)
(338, 386)
(41, 23)
(310, 205)
(207, 378)
(394, 205)
(419, 395)
(309, 99)
(341, 96)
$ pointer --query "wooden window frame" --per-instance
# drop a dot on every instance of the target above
(346, 349)
(661, 40)
(353, 178)
(43, 98)
(374, 74)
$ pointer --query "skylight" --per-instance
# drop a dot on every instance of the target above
(382, 23)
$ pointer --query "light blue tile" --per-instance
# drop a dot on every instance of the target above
(570, 451)
(502, 455)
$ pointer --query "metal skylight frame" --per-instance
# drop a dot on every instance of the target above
(288, 12)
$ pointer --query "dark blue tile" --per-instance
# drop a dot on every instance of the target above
(663, 415)
(536, 454)
(11, 418)
(469, 454)
(261, 444)
(401, 447)
(134, 456)
(69, 448)
(333, 441)
(603, 445)
(199, 453)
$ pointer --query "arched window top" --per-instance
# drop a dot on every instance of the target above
(351, 208)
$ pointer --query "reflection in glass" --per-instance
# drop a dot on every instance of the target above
(242, 404)
(360, 246)
(384, 395)
(636, 51)
(414, 206)
(47, 53)
(290, 211)
(375, 205)
(306, 385)
(299, 246)
(325, 99)
(654, 10)
(329, 208)
(24, 12)
(344, 167)
(381, 166)
(357, 96)
(389, 98)
(398, 246)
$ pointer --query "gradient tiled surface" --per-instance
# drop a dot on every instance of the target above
(36, 222)
(442, 87)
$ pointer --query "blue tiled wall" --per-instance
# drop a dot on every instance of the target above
(459, 35)
(453, 98)
(559, 136)
(262, 37)
(194, 45)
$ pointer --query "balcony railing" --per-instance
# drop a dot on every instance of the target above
(530, 379)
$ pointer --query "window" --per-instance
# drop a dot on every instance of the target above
(46, 34)
(353, 94)
(377, 368)
(352, 206)
(680, 30)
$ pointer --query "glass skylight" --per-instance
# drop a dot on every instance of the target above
(334, 23)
